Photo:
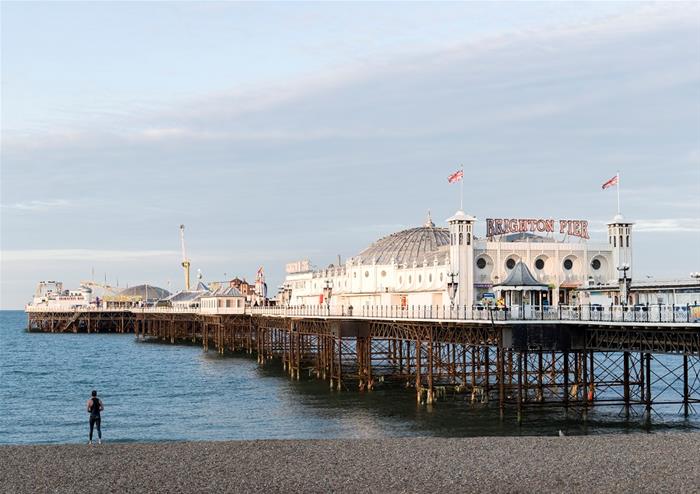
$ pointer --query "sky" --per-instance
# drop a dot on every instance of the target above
(283, 131)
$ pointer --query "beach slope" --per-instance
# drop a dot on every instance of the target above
(610, 463)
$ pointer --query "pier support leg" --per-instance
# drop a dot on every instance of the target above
(626, 382)
(520, 388)
(648, 387)
(566, 382)
(419, 389)
(686, 394)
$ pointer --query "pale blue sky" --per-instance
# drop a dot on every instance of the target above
(279, 131)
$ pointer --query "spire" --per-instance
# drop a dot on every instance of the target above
(429, 221)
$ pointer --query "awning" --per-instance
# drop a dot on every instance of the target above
(570, 284)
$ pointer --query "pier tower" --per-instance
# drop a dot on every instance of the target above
(620, 241)
(461, 227)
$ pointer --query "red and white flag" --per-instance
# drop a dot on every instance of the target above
(456, 176)
(611, 182)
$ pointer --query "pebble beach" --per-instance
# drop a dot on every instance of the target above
(603, 463)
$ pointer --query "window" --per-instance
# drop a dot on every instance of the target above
(400, 279)
(461, 239)
(469, 238)
(409, 280)
(481, 263)
(510, 263)
(568, 264)
(614, 241)
(539, 264)
(628, 240)
(366, 274)
(354, 275)
(430, 278)
(383, 274)
(440, 276)
(595, 264)
(420, 278)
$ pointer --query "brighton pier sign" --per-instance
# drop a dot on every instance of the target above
(504, 226)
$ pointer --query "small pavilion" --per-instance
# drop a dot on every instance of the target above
(520, 287)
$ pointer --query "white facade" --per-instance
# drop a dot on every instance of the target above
(413, 267)
(50, 294)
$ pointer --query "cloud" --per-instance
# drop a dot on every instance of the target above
(667, 225)
(37, 205)
(59, 255)
(656, 225)
(491, 66)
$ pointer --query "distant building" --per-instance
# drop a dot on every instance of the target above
(651, 292)
(223, 300)
(50, 294)
(187, 299)
(246, 289)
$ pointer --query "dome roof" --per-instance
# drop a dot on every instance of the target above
(407, 246)
(146, 292)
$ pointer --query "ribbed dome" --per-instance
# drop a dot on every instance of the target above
(149, 292)
(407, 246)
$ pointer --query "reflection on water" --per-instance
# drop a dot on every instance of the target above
(155, 392)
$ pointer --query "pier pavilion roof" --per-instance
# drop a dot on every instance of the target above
(225, 291)
(415, 244)
(145, 292)
(520, 278)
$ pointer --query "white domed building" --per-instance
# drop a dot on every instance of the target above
(415, 266)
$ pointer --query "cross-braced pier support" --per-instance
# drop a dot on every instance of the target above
(516, 367)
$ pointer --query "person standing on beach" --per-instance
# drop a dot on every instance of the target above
(94, 407)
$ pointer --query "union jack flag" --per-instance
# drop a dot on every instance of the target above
(456, 176)
(611, 182)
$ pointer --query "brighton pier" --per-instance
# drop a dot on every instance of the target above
(575, 357)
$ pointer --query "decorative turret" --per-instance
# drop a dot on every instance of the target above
(461, 228)
(620, 240)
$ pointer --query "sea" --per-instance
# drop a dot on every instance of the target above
(162, 392)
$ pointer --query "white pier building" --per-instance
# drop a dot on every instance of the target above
(432, 265)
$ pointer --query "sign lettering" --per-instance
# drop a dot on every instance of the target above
(498, 226)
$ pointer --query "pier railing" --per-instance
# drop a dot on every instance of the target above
(591, 312)
(657, 313)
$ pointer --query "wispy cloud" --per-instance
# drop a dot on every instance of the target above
(58, 255)
(667, 225)
(655, 225)
(37, 205)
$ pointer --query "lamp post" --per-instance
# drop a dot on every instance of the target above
(327, 292)
(623, 278)
(452, 288)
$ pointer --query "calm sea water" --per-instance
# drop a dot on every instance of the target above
(161, 392)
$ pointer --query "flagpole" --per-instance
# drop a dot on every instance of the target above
(618, 193)
(461, 191)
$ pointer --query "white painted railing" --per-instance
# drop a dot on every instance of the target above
(594, 312)
(637, 313)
